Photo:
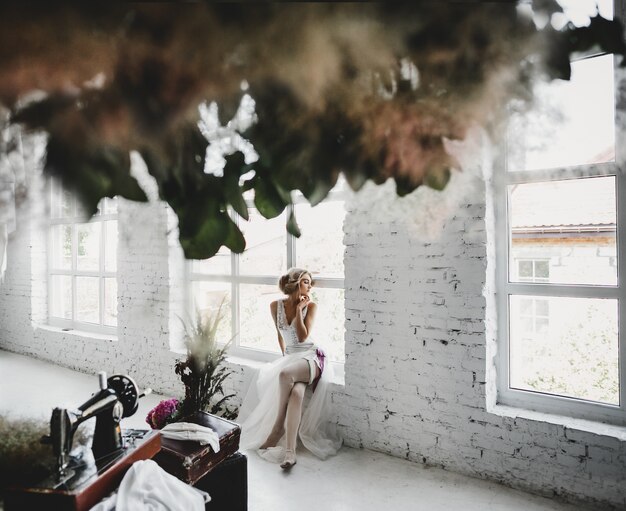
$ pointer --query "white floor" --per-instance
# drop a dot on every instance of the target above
(353, 480)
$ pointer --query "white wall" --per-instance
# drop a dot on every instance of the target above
(420, 336)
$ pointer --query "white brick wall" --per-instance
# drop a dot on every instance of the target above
(418, 334)
(417, 325)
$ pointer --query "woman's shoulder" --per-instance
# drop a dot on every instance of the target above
(274, 305)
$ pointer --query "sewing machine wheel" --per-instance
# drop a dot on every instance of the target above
(127, 392)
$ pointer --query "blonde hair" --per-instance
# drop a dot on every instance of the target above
(290, 281)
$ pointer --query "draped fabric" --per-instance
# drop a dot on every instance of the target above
(148, 487)
(257, 414)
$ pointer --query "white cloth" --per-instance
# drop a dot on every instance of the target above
(147, 487)
(259, 409)
(193, 432)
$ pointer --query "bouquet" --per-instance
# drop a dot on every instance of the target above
(164, 413)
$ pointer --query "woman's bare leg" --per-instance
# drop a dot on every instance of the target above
(289, 376)
(294, 414)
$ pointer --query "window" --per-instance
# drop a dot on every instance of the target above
(246, 284)
(560, 273)
(82, 265)
(533, 270)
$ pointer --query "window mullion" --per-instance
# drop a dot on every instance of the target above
(562, 173)
(621, 265)
(234, 292)
(500, 199)
(291, 243)
(74, 269)
(49, 260)
(101, 276)
(575, 291)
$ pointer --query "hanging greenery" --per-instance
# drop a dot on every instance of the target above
(370, 91)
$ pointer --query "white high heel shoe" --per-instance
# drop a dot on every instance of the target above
(290, 459)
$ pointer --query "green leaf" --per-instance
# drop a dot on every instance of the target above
(234, 167)
(235, 240)
(209, 238)
(292, 225)
(318, 191)
(267, 199)
(438, 178)
(92, 172)
(356, 178)
(404, 186)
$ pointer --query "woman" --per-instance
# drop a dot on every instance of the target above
(271, 413)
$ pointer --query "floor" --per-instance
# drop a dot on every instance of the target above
(353, 480)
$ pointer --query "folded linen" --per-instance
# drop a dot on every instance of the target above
(192, 432)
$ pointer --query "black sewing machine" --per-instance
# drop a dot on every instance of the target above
(84, 476)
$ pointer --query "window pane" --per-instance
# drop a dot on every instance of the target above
(110, 302)
(542, 307)
(108, 206)
(61, 296)
(542, 269)
(88, 246)
(526, 269)
(579, 11)
(62, 203)
(257, 326)
(61, 247)
(567, 227)
(573, 352)
(526, 306)
(110, 247)
(207, 297)
(328, 330)
(219, 264)
(88, 299)
(572, 122)
(266, 242)
(320, 248)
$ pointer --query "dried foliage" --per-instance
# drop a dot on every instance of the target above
(203, 372)
(367, 90)
(24, 459)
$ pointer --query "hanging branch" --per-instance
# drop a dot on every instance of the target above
(370, 91)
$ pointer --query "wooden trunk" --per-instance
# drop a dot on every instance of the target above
(190, 461)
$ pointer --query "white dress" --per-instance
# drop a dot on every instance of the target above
(318, 432)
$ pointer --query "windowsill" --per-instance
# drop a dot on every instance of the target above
(238, 360)
(83, 334)
(597, 428)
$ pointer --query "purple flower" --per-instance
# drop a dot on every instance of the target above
(159, 415)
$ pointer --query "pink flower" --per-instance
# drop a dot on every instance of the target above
(159, 415)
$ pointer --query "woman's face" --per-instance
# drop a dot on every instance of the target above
(305, 285)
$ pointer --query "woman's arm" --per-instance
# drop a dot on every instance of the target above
(281, 342)
(303, 325)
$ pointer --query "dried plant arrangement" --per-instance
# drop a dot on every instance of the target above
(24, 459)
(203, 371)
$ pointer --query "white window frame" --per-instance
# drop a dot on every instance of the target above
(235, 279)
(74, 221)
(560, 405)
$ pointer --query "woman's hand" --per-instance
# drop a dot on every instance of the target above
(303, 302)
